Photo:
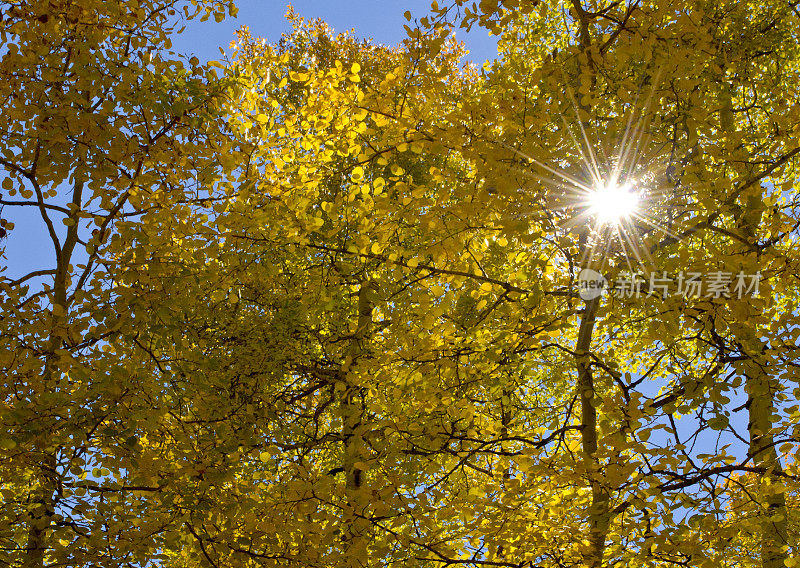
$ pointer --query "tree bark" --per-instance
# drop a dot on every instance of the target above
(43, 497)
(599, 517)
(355, 537)
(761, 389)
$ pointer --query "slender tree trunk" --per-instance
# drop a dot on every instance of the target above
(761, 389)
(40, 516)
(761, 392)
(599, 518)
(355, 537)
(43, 497)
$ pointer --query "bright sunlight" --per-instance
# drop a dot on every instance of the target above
(612, 203)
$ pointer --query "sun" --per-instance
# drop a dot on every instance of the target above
(612, 203)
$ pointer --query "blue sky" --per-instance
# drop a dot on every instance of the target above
(381, 20)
